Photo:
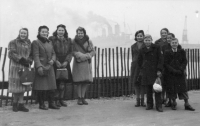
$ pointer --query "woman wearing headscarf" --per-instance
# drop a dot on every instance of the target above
(19, 54)
(83, 51)
(63, 48)
(135, 48)
(44, 58)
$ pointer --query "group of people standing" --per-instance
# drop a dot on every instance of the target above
(50, 54)
(164, 59)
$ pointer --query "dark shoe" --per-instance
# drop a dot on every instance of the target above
(137, 102)
(142, 102)
(15, 107)
(84, 101)
(189, 107)
(159, 108)
(22, 108)
(53, 106)
(43, 107)
(62, 103)
(173, 105)
(149, 107)
(168, 104)
(57, 103)
(79, 102)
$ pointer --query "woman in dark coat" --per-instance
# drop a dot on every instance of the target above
(135, 48)
(83, 51)
(63, 48)
(162, 42)
(20, 58)
(44, 57)
(150, 61)
(175, 65)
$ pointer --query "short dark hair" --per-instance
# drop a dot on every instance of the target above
(171, 35)
(42, 27)
(140, 31)
(165, 30)
(81, 29)
(174, 39)
(62, 26)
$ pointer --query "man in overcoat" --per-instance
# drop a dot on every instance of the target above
(150, 61)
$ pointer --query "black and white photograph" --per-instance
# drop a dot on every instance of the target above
(99, 62)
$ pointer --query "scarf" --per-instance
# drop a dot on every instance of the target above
(23, 41)
(82, 41)
(42, 39)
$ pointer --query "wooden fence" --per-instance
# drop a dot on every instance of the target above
(111, 71)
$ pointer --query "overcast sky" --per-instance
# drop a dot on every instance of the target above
(92, 14)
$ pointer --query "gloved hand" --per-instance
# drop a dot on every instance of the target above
(64, 64)
(40, 71)
(51, 62)
(24, 62)
(159, 74)
(58, 64)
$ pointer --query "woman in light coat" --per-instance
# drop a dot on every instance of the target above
(83, 51)
(19, 54)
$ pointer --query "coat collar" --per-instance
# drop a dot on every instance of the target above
(150, 49)
(135, 46)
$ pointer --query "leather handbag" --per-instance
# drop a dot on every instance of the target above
(62, 74)
(27, 76)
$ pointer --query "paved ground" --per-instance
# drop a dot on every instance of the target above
(104, 112)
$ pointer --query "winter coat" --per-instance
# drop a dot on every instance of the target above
(17, 49)
(175, 61)
(161, 43)
(135, 70)
(150, 61)
(63, 50)
(82, 65)
(42, 54)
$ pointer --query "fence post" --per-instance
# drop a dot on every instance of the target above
(3, 77)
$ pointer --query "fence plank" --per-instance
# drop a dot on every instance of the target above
(114, 80)
(117, 58)
(128, 69)
(98, 85)
(122, 69)
(95, 75)
(3, 76)
(102, 81)
(109, 67)
(125, 74)
(198, 69)
(106, 64)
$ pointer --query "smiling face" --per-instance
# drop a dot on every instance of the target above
(23, 34)
(147, 42)
(60, 31)
(169, 38)
(174, 43)
(44, 32)
(80, 34)
(140, 37)
(163, 34)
